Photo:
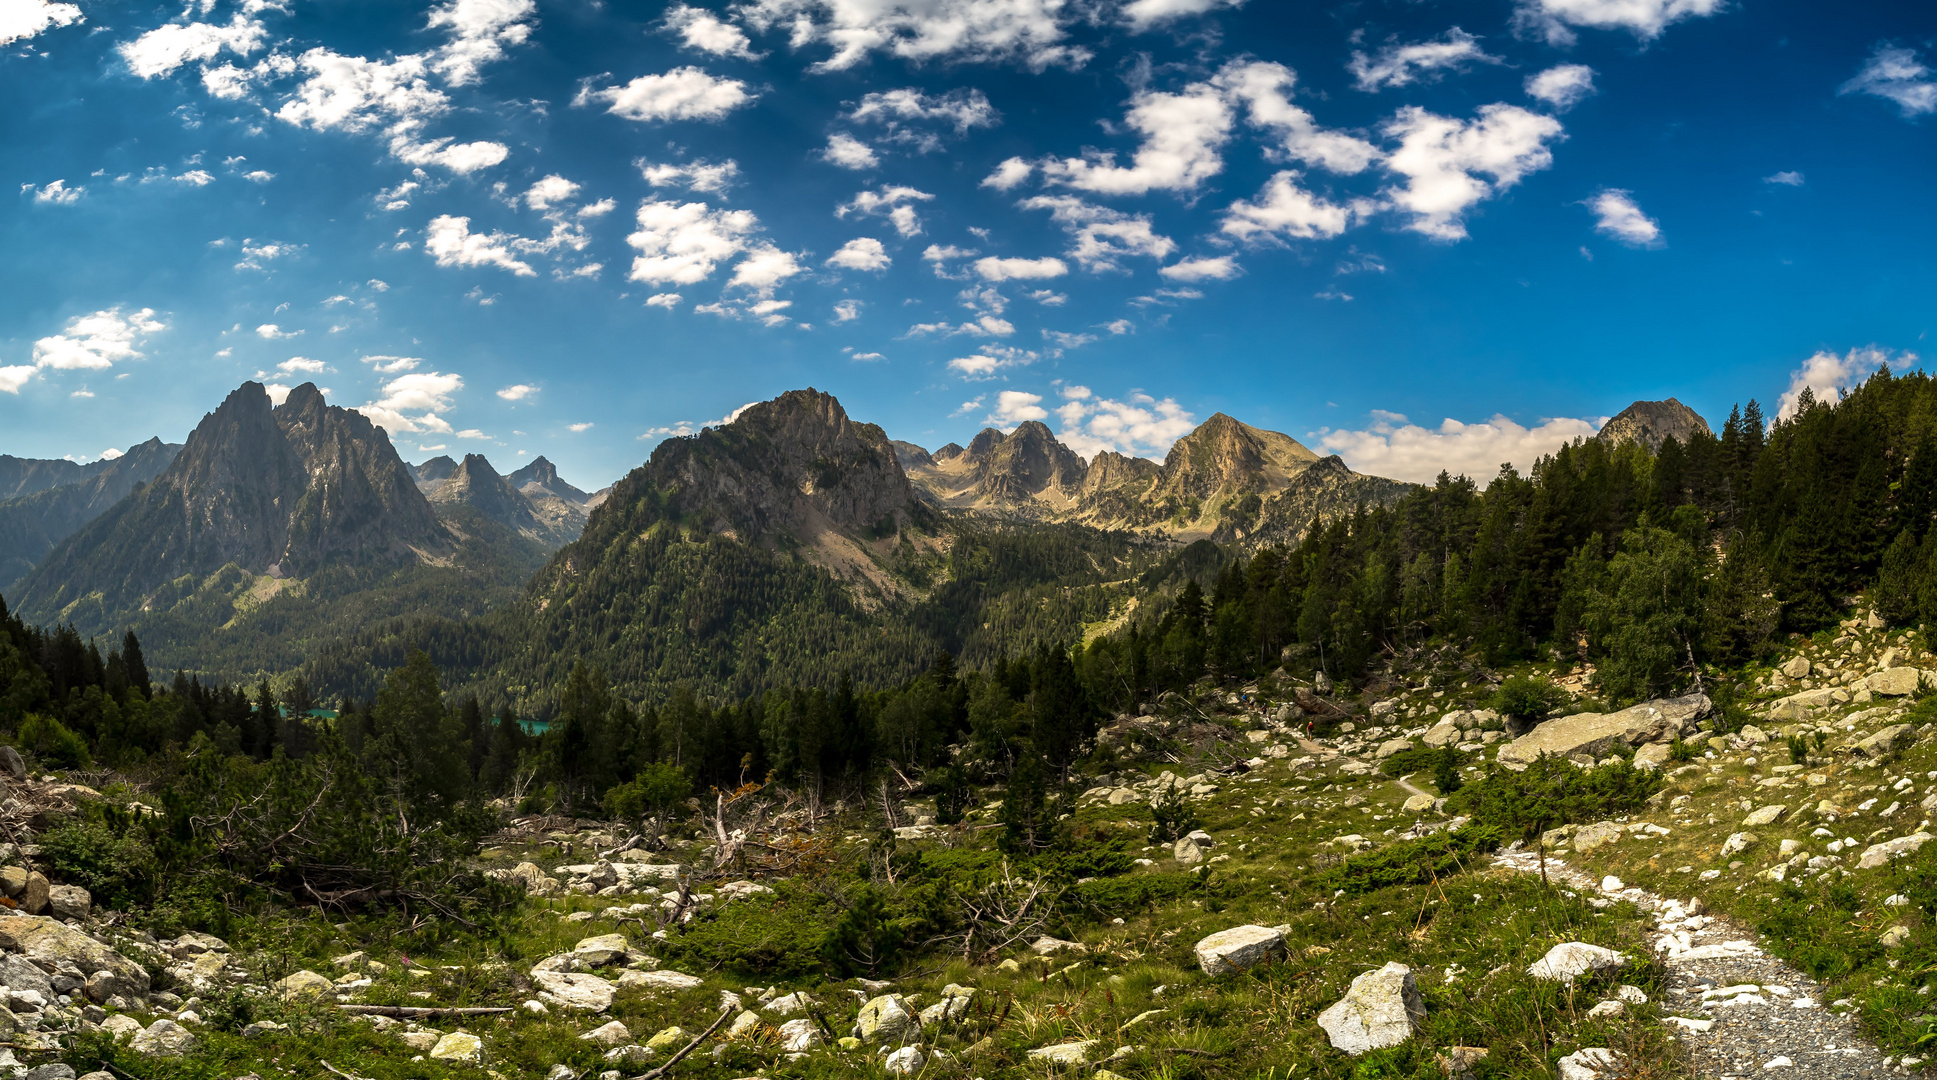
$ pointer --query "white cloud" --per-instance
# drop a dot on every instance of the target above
(911, 118)
(861, 253)
(1563, 86)
(258, 176)
(22, 19)
(1283, 209)
(992, 359)
(1393, 447)
(303, 364)
(1182, 135)
(683, 243)
(1828, 376)
(707, 32)
(1895, 74)
(391, 365)
(272, 332)
(1048, 297)
(849, 152)
(427, 395)
(278, 393)
(1440, 157)
(1618, 216)
(1012, 407)
(995, 269)
(1265, 91)
(450, 241)
(550, 192)
(463, 158)
(195, 178)
(1786, 178)
(1220, 268)
(351, 93)
(164, 49)
(684, 93)
(866, 356)
(1553, 19)
(667, 300)
(1139, 425)
(847, 311)
(987, 30)
(480, 30)
(56, 193)
(694, 175)
(764, 268)
(227, 82)
(1008, 174)
(98, 341)
(255, 254)
(14, 377)
(517, 392)
(1145, 14)
(585, 426)
(1402, 65)
(892, 202)
(1100, 235)
(986, 326)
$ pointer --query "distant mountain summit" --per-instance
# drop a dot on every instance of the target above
(31, 524)
(273, 490)
(1652, 423)
(1215, 482)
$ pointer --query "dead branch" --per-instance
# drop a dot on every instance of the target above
(415, 1012)
(675, 1059)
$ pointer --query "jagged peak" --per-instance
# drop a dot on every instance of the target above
(477, 466)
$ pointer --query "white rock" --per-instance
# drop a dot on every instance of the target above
(1779, 1062)
(1571, 959)
(459, 1046)
(575, 990)
(1877, 854)
(1688, 1024)
(612, 1034)
(1383, 1008)
(1608, 1008)
(906, 1060)
(1589, 1064)
(883, 1020)
(1069, 1053)
(1239, 948)
(799, 1036)
(1611, 883)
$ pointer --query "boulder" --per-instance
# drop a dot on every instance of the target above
(1592, 1063)
(164, 1038)
(953, 1005)
(1391, 747)
(50, 943)
(11, 761)
(671, 1038)
(1889, 740)
(1571, 959)
(601, 950)
(576, 990)
(1894, 682)
(790, 1004)
(1444, 733)
(628, 1055)
(799, 1036)
(747, 1025)
(20, 974)
(1595, 734)
(658, 980)
(1069, 1053)
(1796, 667)
(121, 1026)
(69, 901)
(884, 1019)
(13, 880)
(1383, 1008)
(33, 898)
(1738, 842)
(1049, 946)
(1589, 837)
(1877, 854)
(1419, 804)
(902, 1062)
(1894, 937)
(1652, 756)
(1241, 947)
(1767, 815)
(460, 1047)
(305, 984)
(612, 1034)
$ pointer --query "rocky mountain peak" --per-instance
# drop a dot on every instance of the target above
(1025, 463)
(1226, 456)
(1652, 423)
(541, 476)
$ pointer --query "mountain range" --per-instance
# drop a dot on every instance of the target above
(792, 541)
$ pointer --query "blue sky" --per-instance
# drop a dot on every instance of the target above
(1418, 234)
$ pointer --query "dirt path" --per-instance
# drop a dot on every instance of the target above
(1741, 1012)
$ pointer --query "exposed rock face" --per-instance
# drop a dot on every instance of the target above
(913, 457)
(282, 491)
(1226, 457)
(1383, 1008)
(49, 943)
(1652, 423)
(1027, 470)
(1592, 735)
(32, 522)
(542, 475)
